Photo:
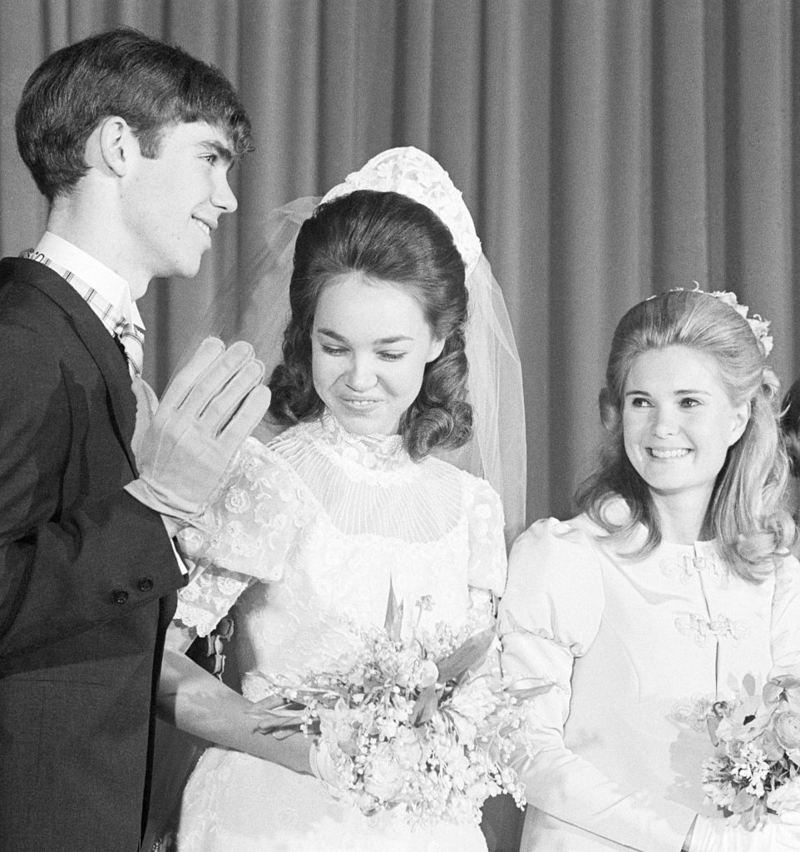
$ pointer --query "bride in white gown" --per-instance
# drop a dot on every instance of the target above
(314, 528)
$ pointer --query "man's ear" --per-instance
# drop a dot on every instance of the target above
(112, 145)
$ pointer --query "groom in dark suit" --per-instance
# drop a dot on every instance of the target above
(130, 140)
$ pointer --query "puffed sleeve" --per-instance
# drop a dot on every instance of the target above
(244, 537)
(549, 615)
(785, 633)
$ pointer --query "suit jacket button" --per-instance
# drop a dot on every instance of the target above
(119, 596)
(145, 584)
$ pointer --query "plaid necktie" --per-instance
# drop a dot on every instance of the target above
(131, 336)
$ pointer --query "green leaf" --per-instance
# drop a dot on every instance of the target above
(393, 622)
(742, 802)
(466, 656)
(527, 688)
(424, 706)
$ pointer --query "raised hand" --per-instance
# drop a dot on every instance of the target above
(209, 408)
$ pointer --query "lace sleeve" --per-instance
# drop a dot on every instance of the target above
(208, 598)
(245, 537)
(487, 549)
(250, 527)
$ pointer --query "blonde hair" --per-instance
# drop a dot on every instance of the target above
(746, 514)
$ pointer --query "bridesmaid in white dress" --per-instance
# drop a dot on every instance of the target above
(313, 530)
(671, 588)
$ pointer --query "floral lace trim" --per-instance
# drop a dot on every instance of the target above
(373, 452)
(202, 620)
(705, 630)
(414, 173)
(688, 566)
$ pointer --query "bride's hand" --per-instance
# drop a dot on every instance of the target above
(269, 703)
(269, 722)
(291, 750)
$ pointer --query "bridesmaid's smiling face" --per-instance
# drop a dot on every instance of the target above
(370, 343)
(678, 421)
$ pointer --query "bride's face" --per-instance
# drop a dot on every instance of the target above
(370, 343)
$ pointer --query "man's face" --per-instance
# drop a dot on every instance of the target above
(171, 204)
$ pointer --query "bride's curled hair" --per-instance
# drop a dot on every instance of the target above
(746, 514)
(390, 239)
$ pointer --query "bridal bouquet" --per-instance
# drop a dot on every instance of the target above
(757, 767)
(411, 722)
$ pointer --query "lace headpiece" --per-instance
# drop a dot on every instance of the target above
(418, 176)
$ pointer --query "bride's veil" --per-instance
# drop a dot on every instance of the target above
(256, 309)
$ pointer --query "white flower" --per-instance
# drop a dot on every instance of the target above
(427, 674)
(237, 500)
(475, 701)
(383, 774)
(752, 767)
(785, 798)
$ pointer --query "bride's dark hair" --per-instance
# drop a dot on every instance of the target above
(389, 238)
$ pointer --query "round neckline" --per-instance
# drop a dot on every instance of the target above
(640, 533)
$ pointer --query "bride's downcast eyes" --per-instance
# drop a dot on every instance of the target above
(341, 350)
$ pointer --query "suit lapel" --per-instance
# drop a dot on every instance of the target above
(97, 340)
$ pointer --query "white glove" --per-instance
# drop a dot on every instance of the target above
(716, 835)
(322, 764)
(209, 408)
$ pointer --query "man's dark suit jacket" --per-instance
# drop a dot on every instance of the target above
(87, 578)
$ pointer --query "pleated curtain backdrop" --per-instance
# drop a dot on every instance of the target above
(608, 149)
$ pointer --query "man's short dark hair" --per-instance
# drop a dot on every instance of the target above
(151, 84)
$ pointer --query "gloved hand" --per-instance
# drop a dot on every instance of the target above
(209, 408)
(717, 835)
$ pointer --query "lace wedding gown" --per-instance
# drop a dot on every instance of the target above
(307, 538)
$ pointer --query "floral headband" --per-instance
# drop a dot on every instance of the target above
(757, 323)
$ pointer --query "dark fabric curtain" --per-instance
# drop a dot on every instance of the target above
(608, 149)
